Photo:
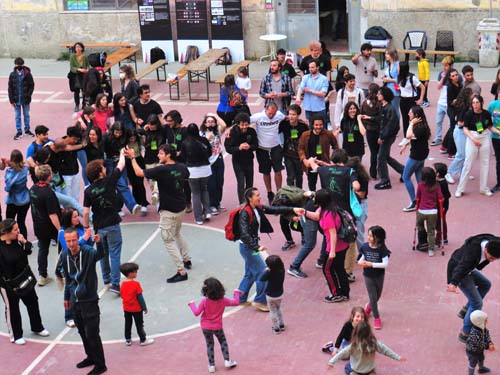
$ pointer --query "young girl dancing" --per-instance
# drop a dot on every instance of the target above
(211, 309)
(344, 338)
(274, 274)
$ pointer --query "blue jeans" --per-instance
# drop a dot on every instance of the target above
(474, 286)
(111, 240)
(122, 185)
(25, 108)
(254, 266)
(310, 231)
(395, 104)
(412, 166)
(360, 223)
(82, 158)
(441, 113)
(68, 201)
(458, 163)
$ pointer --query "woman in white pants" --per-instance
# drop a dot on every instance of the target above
(477, 127)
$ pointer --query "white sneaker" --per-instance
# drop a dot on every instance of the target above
(42, 281)
(213, 211)
(144, 211)
(147, 342)
(208, 216)
(70, 323)
(230, 364)
(20, 341)
(431, 253)
(135, 209)
(121, 213)
(472, 177)
(488, 193)
(403, 141)
(211, 369)
(458, 194)
(199, 222)
(43, 333)
(449, 178)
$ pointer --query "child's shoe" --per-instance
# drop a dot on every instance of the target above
(276, 331)
(230, 363)
(462, 312)
(368, 309)
(462, 337)
(483, 370)
(147, 342)
(211, 369)
(282, 327)
(128, 342)
(377, 323)
(327, 348)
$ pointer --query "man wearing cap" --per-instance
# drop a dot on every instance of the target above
(464, 272)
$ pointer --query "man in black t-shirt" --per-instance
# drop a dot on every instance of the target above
(171, 177)
(286, 68)
(46, 213)
(146, 106)
(325, 64)
(105, 202)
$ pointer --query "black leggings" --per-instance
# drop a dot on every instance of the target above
(19, 213)
(209, 339)
(139, 324)
(336, 276)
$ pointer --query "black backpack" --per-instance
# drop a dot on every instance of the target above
(377, 33)
(97, 59)
(347, 232)
(156, 54)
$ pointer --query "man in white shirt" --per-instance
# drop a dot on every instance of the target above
(366, 67)
(269, 153)
(350, 93)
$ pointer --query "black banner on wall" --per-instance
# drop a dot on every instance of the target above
(191, 19)
(154, 20)
(226, 20)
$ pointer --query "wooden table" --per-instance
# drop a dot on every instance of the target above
(117, 57)
(200, 68)
(69, 46)
(407, 52)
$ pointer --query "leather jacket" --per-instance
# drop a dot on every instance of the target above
(249, 226)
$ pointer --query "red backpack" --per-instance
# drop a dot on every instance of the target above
(232, 228)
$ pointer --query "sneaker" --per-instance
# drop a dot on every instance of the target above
(377, 323)
(270, 197)
(18, 136)
(296, 272)
(221, 208)
(451, 157)
(462, 312)
(121, 213)
(70, 323)
(42, 281)
(332, 299)
(276, 331)
(85, 363)
(411, 207)
(20, 341)
(449, 178)
(403, 141)
(282, 327)
(445, 242)
(288, 245)
(488, 193)
(368, 309)
(430, 253)
(211, 369)
(483, 370)
(155, 198)
(327, 348)
(177, 277)
(495, 188)
(260, 306)
(213, 210)
(351, 277)
(114, 289)
(189, 208)
(462, 337)
(136, 209)
(147, 342)
(345, 298)
(29, 133)
(199, 222)
(144, 211)
(458, 194)
(230, 364)
(98, 370)
(436, 142)
(319, 265)
(383, 186)
(128, 342)
(471, 177)
(425, 104)
(208, 216)
(443, 150)
(422, 247)
(187, 264)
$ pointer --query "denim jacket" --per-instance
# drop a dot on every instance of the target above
(15, 186)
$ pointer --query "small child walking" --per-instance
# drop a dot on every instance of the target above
(441, 226)
(428, 197)
(243, 82)
(361, 351)
(424, 74)
(274, 274)
(133, 304)
(211, 309)
(374, 258)
(344, 338)
(478, 341)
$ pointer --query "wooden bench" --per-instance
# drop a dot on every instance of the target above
(117, 57)
(158, 65)
(234, 70)
(174, 82)
(408, 52)
(69, 46)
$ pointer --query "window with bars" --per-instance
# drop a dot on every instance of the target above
(301, 6)
(101, 4)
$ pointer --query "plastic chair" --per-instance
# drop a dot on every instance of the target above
(416, 39)
(444, 42)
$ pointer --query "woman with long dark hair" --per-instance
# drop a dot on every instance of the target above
(102, 112)
(453, 89)
(129, 84)
(370, 112)
(94, 148)
(224, 109)
(353, 131)
(78, 65)
(123, 111)
(419, 134)
(137, 183)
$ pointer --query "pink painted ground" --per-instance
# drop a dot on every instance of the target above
(418, 315)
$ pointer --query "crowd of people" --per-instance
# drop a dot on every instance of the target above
(122, 145)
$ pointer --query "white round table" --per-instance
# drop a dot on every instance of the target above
(272, 39)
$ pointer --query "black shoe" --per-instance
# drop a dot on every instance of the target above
(177, 277)
(383, 186)
(188, 265)
(296, 272)
(85, 363)
(422, 247)
(98, 370)
(282, 327)
(115, 289)
(29, 133)
(18, 136)
(401, 179)
(270, 197)
(445, 242)
(495, 188)
(483, 370)
(462, 312)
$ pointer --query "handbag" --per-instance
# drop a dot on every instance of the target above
(23, 284)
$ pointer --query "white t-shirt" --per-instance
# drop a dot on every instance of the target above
(244, 83)
(345, 96)
(267, 129)
(409, 91)
(443, 94)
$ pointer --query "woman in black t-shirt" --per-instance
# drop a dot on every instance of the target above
(418, 133)
(477, 127)
(353, 131)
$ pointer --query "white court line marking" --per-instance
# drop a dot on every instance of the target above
(65, 331)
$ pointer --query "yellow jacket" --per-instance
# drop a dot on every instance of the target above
(424, 73)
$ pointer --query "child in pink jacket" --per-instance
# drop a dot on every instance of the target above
(211, 309)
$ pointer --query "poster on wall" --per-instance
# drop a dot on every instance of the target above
(191, 19)
(227, 27)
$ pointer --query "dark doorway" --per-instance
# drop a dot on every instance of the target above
(333, 24)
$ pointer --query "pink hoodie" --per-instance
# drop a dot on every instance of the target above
(211, 311)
